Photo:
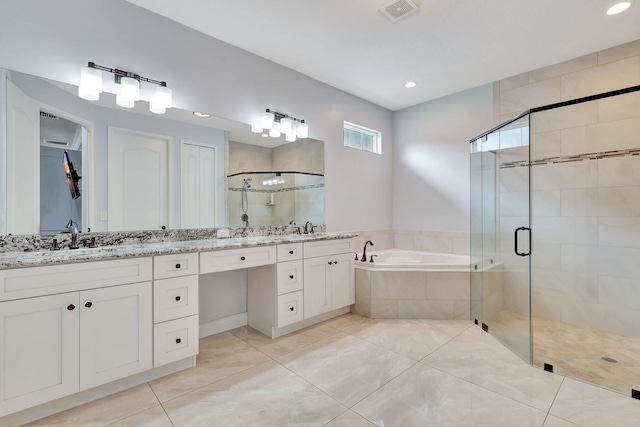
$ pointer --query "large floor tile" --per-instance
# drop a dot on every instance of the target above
(347, 321)
(105, 411)
(345, 367)
(412, 338)
(423, 396)
(349, 419)
(267, 395)
(154, 417)
(552, 421)
(220, 357)
(590, 406)
(479, 358)
(286, 344)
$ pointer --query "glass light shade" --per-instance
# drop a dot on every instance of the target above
(163, 97)
(256, 129)
(90, 84)
(274, 133)
(130, 88)
(267, 120)
(124, 102)
(157, 108)
(291, 137)
(303, 130)
(286, 125)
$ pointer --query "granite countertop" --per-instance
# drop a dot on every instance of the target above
(63, 256)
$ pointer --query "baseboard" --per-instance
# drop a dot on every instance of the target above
(223, 325)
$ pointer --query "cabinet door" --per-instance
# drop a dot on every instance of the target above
(115, 333)
(39, 350)
(317, 289)
(342, 281)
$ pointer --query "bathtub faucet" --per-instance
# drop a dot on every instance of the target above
(364, 251)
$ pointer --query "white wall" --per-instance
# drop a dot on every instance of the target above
(54, 39)
(431, 160)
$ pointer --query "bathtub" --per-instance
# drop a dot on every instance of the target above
(401, 259)
(403, 284)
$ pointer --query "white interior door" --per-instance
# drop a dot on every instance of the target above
(139, 180)
(23, 162)
(197, 185)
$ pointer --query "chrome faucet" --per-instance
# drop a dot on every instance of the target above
(364, 251)
(306, 231)
(72, 226)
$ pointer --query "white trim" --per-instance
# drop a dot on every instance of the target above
(375, 134)
(223, 325)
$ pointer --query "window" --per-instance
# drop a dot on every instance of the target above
(362, 138)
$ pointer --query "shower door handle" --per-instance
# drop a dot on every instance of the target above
(516, 241)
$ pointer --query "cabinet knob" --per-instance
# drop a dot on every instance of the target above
(178, 298)
(164, 227)
(291, 276)
(88, 304)
(335, 262)
(178, 340)
(177, 265)
(242, 258)
(290, 252)
(291, 308)
(71, 307)
(329, 263)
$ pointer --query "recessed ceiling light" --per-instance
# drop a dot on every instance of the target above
(619, 7)
(198, 114)
(410, 84)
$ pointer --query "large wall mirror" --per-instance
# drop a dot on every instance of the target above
(112, 169)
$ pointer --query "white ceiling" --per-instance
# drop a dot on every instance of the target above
(447, 47)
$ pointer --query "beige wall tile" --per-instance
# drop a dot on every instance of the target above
(446, 285)
(603, 78)
(363, 284)
(619, 171)
(545, 144)
(398, 285)
(426, 309)
(461, 309)
(533, 95)
(514, 82)
(564, 118)
(609, 136)
(362, 307)
(384, 309)
(619, 52)
(618, 292)
(573, 65)
(619, 107)
(619, 232)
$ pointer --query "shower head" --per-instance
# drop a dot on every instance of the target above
(246, 182)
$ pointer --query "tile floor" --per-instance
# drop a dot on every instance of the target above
(353, 371)
(573, 350)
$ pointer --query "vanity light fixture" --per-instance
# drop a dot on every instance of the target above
(618, 8)
(278, 123)
(91, 87)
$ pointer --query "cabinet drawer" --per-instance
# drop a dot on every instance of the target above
(289, 252)
(289, 276)
(53, 279)
(165, 266)
(175, 340)
(233, 259)
(175, 298)
(290, 308)
(328, 247)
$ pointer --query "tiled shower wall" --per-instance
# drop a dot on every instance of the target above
(586, 210)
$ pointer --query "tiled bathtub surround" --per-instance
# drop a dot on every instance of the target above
(449, 242)
(40, 242)
(412, 294)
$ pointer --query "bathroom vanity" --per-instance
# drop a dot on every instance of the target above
(78, 325)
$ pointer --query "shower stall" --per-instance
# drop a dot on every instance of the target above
(555, 237)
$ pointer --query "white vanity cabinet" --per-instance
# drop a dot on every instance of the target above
(72, 333)
(329, 278)
(175, 308)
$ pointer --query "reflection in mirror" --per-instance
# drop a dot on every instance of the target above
(275, 186)
(192, 155)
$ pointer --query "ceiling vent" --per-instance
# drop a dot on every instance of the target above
(399, 9)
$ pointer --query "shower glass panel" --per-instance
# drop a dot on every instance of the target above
(500, 235)
(585, 178)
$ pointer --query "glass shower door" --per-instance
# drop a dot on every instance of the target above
(501, 235)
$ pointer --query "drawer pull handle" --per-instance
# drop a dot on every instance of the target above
(71, 307)
(178, 340)
(242, 258)
(335, 262)
(290, 252)
(177, 265)
(291, 276)
(178, 298)
(88, 304)
(291, 308)
(329, 263)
